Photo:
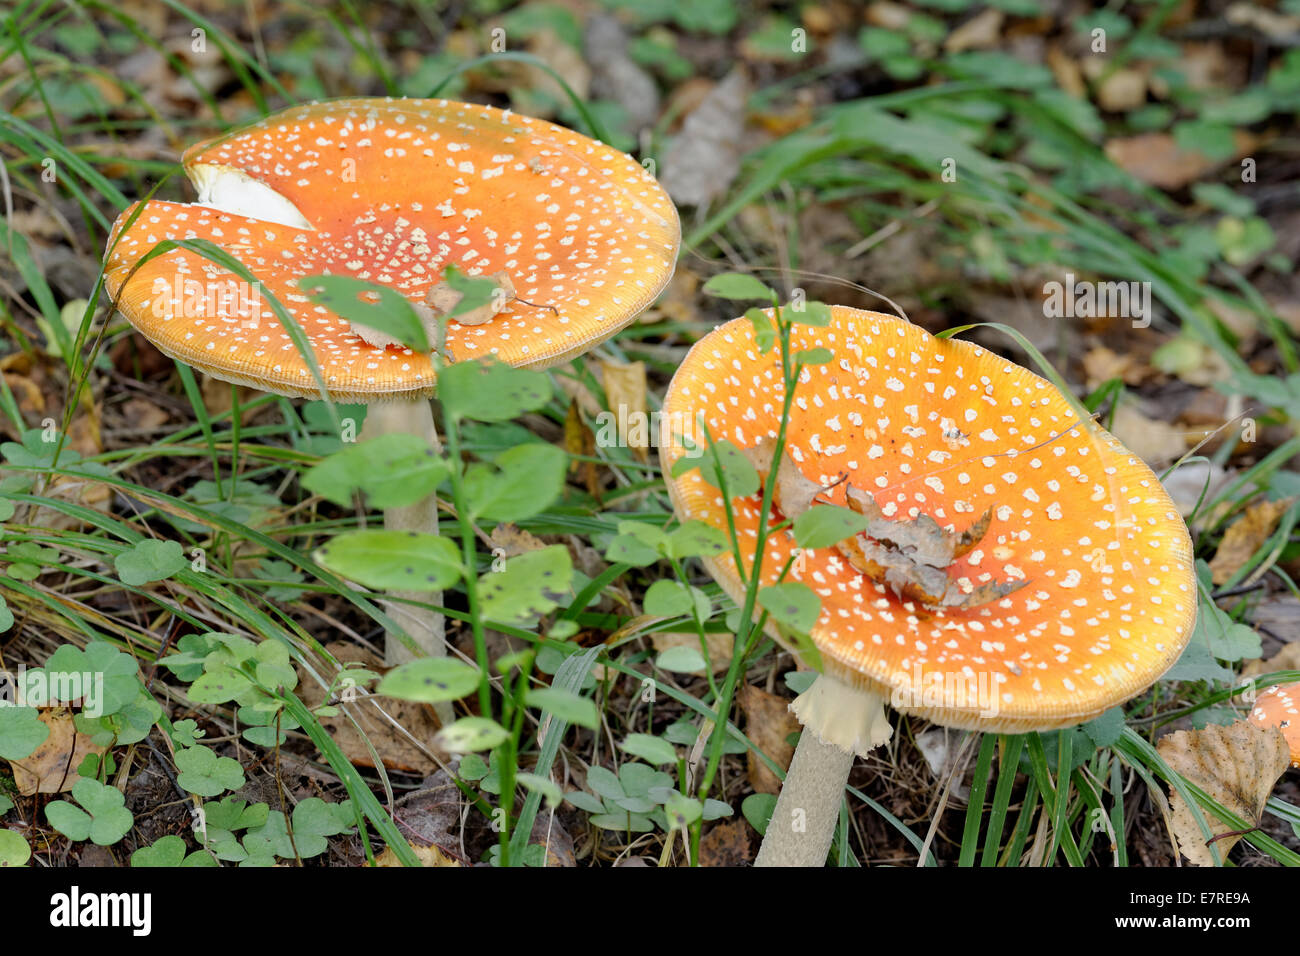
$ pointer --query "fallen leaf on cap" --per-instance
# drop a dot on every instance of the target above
(910, 556)
(52, 767)
(795, 492)
(442, 298)
(1236, 766)
(1244, 537)
(768, 723)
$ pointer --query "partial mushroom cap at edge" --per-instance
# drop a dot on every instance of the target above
(1279, 706)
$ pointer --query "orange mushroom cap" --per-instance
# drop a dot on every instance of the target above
(1279, 707)
(948, 429)
(391, 191)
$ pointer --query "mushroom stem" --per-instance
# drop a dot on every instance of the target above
(426, 628)
(840, 722)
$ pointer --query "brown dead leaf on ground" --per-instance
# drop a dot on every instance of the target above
(768, 722)
(431, 816)
(980, 32)
(580, 443)
(1287, 659)
(1236, 765)
(52, 767)
(140, 414)
(515, 541)
(1244, 536)
(727, 844)
(427, 855)
(700, 163)
(1156, 159)
(395, 749)
(1155, 442)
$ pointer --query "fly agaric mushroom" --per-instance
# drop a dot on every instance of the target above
(1071, 573)
(578, 236)
(1279, 707)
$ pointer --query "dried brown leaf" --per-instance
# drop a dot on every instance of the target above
(768, 722)
(52, 767)
(1244, 537)
(1235, 765)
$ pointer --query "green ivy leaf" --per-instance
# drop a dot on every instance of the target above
(565, 704)
(521, 482)
(817, 356)
(382, 308)
(205, 774)
(394, 560)
(532, 584)
(471, 734)
(817, 314)
(104, 819)
(653, 750)
(757, 809)
(695, 539)
(490, 391)
(737, 285)
(431, 679)
(764, 330)
(637, 543)
(741, 477)
(21, 732)
(673, 599)
(792, 603)
(150, 560)
(169, 851)
(822, 526)
(681, 659)
(1106, 729)
(14, 850)
(394, 470)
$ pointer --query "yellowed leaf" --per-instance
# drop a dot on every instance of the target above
(428, 855)
(625, 391)
(1244, 536)
(52, 767)
(1235, 765)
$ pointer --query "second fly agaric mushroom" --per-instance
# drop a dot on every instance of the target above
(579, 236)
(1279, 707)
(1068, 586)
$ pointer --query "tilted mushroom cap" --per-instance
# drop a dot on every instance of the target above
(1279, 707)
(948, 429)
(391, 191)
